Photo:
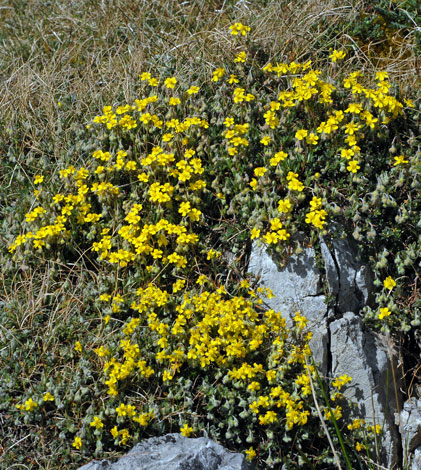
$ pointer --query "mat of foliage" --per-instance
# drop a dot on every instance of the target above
(131, 315)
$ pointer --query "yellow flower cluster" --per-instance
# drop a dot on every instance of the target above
(239, 28)
(123, 435)
(339, 382)
(141, 206)
(316, 216)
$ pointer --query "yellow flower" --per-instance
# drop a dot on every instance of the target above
(381, 76)
(178, 285)
(359, 446)
(295, 185)
(270, 238)
(269, 417)
(254, 386)
(335, 55)
(143, 177)
(356, 424)
(399, 160)
(300, 321)
(312, 139)
(174, 101)
(284, 206)
(186, 430)
(339, 382)
(145, 76)
(30, 405)
(251, 453)
(124, 433)
(101, 351)
(354, 108)
(78, 346)
(193, 90)
(170, 82)
(353, 166)
(38, 179)
(260, 171)
(96, 423)
(384, 312)
(351, 127)
(376, 429)
(233, 79)
(255, 233)
(265, 140)
(241, 57)
(334, 413)
(213, 254)
(238, 28)
(275, 224)
(347, 153)
(185, 208)
(389, 283)
(77, 443)
(229, 121)
(315, 203)
(217, 74)
(271, 375)
(58, 197)
(301, 134)
(278, 157)
(48, 397)
(201, 279)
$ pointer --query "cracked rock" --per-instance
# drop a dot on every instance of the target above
(409, 422)
(340, 344)
(361, 355)
(175, 452)
(416, 461)
(296, 287)
(348, 278)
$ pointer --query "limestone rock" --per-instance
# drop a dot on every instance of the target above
(416, 461)
(340, 344)
(361, 355)
(296, 287)
(348, 278)
(175, 452)
(409, 422)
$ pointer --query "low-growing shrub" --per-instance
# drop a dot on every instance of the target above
(172, 189)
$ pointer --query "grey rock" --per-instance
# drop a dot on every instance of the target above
(297, 280)
(296, 287)
(416, 461)
(175, 452)
(348, 278)
(362, 356)
(340, 345)
(409, 422)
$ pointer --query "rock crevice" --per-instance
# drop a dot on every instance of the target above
(340, 343)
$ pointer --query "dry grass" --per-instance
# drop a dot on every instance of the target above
(88, 54)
